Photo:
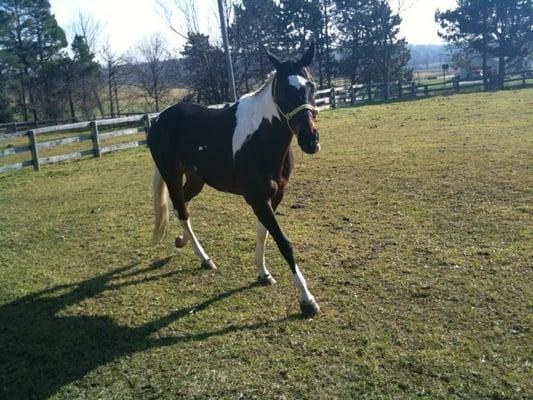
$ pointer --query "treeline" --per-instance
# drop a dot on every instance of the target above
(44, 77)
(355, 39)
(489, 29)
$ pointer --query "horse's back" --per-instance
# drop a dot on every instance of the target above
(199, 138)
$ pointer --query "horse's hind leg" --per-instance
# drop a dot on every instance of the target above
(177, 195)
(193, 186)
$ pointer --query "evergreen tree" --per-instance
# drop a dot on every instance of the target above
(205, 63)
(369, 42)
(295, 19)
(254, 28)
(386, 56)
(321, 24)
(6, 109)
(29, 39)
(86, 73)
(352, 19)
(493, 28)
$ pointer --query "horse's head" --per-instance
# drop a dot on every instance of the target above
(294, 94)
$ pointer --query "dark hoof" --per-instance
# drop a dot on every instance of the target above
(266, 280)
(208, 264)
(309, 309)
(180, 242)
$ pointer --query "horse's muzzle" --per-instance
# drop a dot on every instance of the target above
(311, 143)
(310, 148)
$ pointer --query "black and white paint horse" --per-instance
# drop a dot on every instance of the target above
(244, 150)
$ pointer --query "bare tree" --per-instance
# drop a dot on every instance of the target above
(118, 69)
(151, 63)
(402, 5)
(181, 9)
(86, 26)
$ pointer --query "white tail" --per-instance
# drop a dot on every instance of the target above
(160, 195)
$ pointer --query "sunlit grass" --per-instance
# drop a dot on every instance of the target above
(413, 227)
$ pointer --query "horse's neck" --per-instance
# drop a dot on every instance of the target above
(252, 110)
(277, 136)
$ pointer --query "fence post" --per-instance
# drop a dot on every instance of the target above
(352, 94)
(332, 98)
(524, 79)
(146, 121)
(34, 151)
(413, 89)
(456, 85)
(400, 89)
(96, 139)
(426, 90)
(369, 92)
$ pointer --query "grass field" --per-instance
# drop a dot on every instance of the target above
(413, 227)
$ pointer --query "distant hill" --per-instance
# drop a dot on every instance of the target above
(428, 57)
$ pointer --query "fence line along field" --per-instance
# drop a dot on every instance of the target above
(413, 226)
(21, 149)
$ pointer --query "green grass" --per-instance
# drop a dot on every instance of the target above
(413, 228)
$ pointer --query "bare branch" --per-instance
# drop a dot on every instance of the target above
(86, 26)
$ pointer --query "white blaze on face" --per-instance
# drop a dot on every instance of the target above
(297, 81)
(252, 109)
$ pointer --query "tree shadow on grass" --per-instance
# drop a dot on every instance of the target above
(41, 351)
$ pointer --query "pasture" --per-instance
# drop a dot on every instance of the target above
(413, 227)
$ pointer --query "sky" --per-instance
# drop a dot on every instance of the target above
(126, 22)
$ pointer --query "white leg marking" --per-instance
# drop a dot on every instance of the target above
(189, 234)
(261, 238)
(299, 282)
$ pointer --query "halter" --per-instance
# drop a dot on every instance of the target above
(291, 114)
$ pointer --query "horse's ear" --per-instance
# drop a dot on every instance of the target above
(273, 59)
(307, 58)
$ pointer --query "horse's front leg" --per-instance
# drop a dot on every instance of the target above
(264, 278)
(266, 216)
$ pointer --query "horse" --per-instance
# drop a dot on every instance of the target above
(243, 149)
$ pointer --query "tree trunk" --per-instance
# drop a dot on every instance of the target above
(33, 109)
(320, 65)
(71, 104)
(117, 106)
(110, 89)
(484, 57)
(24, 105)
(501, 71)
(327, 39)
(99, 102)
(246, 77)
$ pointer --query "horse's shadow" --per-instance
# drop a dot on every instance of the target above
(41, 351)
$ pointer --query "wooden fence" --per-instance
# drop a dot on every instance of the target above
(25, 126)
(95, 133)
(377, 92)
(98, 132)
